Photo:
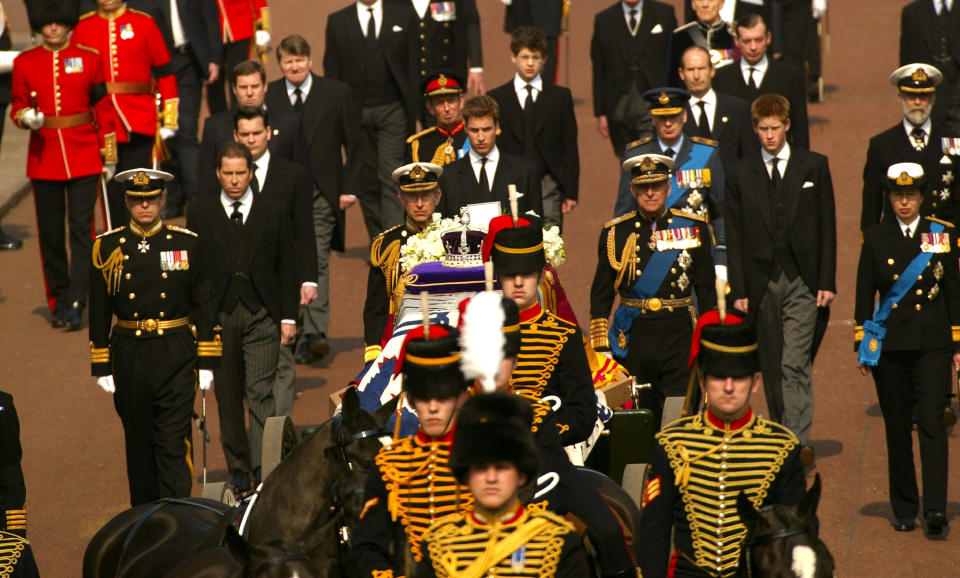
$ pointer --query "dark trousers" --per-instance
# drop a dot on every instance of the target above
(910, 386)
(251, 342)
(233, 54)
(658, 353)
(384, 131)
(184, 146)
(629, 121)
(133, 154)
(156, 380)
(73, 200)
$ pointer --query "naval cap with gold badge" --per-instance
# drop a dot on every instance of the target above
(142, 183)
(442, 82)
(916, 78)
(905, 176)
(418, 177)
(649, 168)
(666, 101)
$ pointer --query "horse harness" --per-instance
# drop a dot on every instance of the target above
(340, 445)
(766, 538)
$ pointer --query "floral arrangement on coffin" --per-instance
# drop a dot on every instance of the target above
(427, 245)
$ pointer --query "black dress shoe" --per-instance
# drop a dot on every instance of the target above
(319, 347)
(240, 483)
(806, 455)
(59, 318)
(7, 242)
(301, 354)
(72, 318)
(949, 417)
(904, 524)
(935, 522)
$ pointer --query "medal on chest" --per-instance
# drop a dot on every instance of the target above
(126, 31)
(174, 261)
(518, 559)
(73, 65)
(143, 245)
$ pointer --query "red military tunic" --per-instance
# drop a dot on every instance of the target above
(67, 82)
(239, 18)
(134, 55)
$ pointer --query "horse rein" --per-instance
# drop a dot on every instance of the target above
(338, 502)
(288, 557)
(771, 537)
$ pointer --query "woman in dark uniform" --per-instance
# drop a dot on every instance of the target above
(909, 340)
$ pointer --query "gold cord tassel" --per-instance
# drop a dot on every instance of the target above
(110, 268)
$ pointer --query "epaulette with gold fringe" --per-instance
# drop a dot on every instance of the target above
(941, 221)
(691, 216)
(424, 132)
(111, 231)
(183, 230)
(705, 141)
(638, 142)
(620, 219)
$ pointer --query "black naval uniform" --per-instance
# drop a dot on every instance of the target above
(378, 309)
(651, 337)
(700, 464)
(409, 488)
(527, 542)
(717, 39)
(16, 555)
(436, 145)
(923, 332)
(145, 278)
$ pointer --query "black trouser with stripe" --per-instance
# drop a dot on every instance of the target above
(156, 380)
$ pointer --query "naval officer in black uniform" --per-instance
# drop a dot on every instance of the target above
(909, 341)
(143, 273)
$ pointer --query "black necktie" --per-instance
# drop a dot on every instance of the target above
(753, 81)
(703, 126)
(371, 28)
(918, 135)
(528, 102)
(255, 182)
(484, 183)
(236, 217)
(906, 233)
(775, 175)
(298, 101)
(669, 152)
(633, 21)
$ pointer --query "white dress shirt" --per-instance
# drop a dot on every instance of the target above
(520, 86)
(304, 89)
(626, 15)
(912, 226)
(421, 6)
(926, 127)
(246, 201)
(262, 163)
(759, 72)
(176, 26)
(363, 14)
(783, 155)
(937, 4)
(709, 106)
(493, 157)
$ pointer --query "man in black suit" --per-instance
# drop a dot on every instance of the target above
(928, 33)
(782, 259)
(247, 253)
(917, 139)
(484, 174)
(249, 82)
(191, 29)
(755, 74)
(539, 124)
(369, 47)
(629, 46)
(721, 117)
(329, 126)
(289, 182)
(547, 15)
(708, 30)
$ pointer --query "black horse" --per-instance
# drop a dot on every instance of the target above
(781, 541)
(238, 559)
(304, 503)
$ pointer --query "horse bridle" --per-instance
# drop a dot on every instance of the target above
(771, 537)
(288, 557)
(340, 445)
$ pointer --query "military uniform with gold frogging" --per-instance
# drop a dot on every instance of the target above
(651, 336)
(437, 145)
(145, 278)
(700, 464)
(527, 543)
(16, 555)
(410, 487)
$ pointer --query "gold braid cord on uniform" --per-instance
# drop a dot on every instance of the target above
(627, 265)
(600, 333)
(210, 348)
(541, 341)
(386, 258)
(463, 548)
(17, 519)
(712, 466)
(421, 487)
(110, 268)
(445, 154)
(11, 548)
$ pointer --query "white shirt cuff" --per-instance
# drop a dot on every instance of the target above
(476, 69)
(289, 321)
(309, 284)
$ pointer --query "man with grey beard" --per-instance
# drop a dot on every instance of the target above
(916, 138)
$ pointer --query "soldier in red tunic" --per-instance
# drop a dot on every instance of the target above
(136, 67)
(55, 89)
(240, 22)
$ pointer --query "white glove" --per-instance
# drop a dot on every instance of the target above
(206, 379)
(721, 272)
(109, 169)
(262, 38)
(818, 8)
(32, 118)
(167, 132)
(608, 354)
(106, 383)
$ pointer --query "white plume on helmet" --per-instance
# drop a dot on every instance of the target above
(481, 339)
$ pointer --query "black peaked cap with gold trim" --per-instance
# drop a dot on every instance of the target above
(431, 365)
(143, 182)
(491, 428)
(666, 101)
(515, 249)
(725, 350)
